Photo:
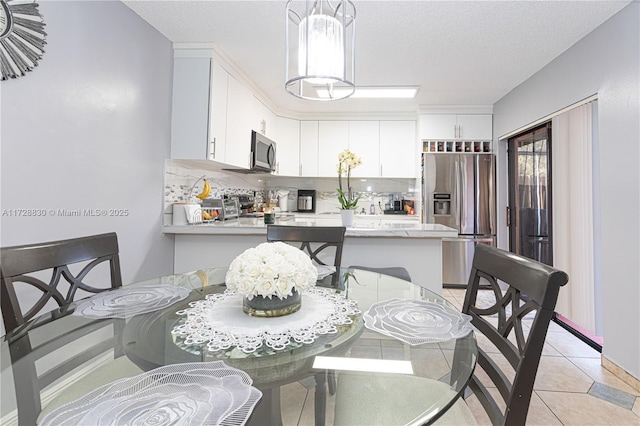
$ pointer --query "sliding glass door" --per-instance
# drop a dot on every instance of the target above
(529, 211)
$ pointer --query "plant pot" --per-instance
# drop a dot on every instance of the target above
(348, 216)
(275, 307)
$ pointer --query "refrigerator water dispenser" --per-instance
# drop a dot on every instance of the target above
(441, 203)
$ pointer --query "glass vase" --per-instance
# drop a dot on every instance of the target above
(266, 307)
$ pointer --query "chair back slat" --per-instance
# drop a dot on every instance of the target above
(309, 234)
(16, 263)
(532, 290)
(488, 403)
(313, 240)
(497, 376)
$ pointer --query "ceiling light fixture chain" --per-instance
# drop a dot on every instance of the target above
(320, 49)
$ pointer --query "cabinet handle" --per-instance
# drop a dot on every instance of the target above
(380, 170)
(300, 170)
(508, 217)
(213, 149)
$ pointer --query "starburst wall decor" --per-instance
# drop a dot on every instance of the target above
(22, 37)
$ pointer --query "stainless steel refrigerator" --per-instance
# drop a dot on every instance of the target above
(459, 192)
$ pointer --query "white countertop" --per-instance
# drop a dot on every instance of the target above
(364, 226)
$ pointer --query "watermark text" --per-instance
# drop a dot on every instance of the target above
(43, 212)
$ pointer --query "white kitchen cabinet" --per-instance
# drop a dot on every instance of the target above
(475, 126)
(286, 134)
(199, 109)
(333, 137)
(240, 102)
(364, 141)
(438, 126)
(218, 113)
(190, 110)
(309, 148)
(263, 120)
(456, 126)
(387, 148)
(398, 146)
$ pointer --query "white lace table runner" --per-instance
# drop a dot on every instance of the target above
(220, 322)
(417, 321)
(126, 302)
(198, 393)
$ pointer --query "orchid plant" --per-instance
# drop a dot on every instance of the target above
(347, 160)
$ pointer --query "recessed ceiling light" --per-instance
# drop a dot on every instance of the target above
(380, 92)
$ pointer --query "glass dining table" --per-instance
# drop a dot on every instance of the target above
(184, 340)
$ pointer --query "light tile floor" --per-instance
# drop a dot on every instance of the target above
(571, 387)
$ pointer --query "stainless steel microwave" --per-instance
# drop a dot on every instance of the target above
(263, 153)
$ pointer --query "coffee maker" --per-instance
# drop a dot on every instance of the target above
(306, 200)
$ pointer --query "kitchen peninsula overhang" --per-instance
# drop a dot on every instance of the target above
(372, 241)
(364, 227)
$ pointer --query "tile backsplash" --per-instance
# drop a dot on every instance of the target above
(184, 179)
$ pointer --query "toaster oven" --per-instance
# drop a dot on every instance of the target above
(228, 209)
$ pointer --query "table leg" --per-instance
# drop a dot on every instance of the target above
(267, 412)
(320, 405)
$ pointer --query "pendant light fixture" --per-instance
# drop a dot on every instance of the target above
(320, 49)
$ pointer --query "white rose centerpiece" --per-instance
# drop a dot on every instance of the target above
(270, 277)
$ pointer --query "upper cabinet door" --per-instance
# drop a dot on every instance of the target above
(239, 119)
(333, 137)
(364, 141)
(398, 147)
(286, 134)
(263, 120)
(190, 109)
(456, 126)
(438, 126)
(475, 126)
(309, 148)
(218, 113)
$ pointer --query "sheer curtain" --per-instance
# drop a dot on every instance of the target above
(572, 198)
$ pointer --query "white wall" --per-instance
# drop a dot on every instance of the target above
(89, 127)
(605, 62)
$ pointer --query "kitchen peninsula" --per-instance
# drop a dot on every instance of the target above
(374, 240)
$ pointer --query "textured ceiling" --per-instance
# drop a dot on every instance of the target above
(458, 52)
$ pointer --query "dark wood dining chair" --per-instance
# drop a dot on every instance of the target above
(532, 290)
(18, 264)
(86, 352)
(393, 271)
(85, 340)
(314, 240)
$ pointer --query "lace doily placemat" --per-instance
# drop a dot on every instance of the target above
(324, 270)
(126, 302)
(196, 393)
(219, 322)
(417, 321)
